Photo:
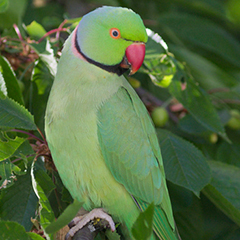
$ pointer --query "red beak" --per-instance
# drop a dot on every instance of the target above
(135, 54)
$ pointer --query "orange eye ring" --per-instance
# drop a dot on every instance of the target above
(115, 33)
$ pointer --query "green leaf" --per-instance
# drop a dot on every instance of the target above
(197, 102)
(184, 164)
(35, 30)
(6, 173)
(3, 88)
(35, 236)
(44, 181)
(7, 148)
(112, 235)
(13, 115)
(3, 5)
(13, 89)
(46, 212)
(190, 125)
(19, 202)
(12, 231)
(13, 13)
(229, 153)
(24, 149)
(224, 189)
(202, 34)
(42, 81)
(142, 228)
(65, 218)
(213, 76)
(158, 62)
(46, 54)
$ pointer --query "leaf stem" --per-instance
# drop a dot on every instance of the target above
(18, 159)
(61, 27)
(17, 31)
(51, 32)
(44, 139)
(27, 133)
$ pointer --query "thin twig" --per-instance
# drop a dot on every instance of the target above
(215, 90)
(44, 139)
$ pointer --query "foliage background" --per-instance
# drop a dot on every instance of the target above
(201, 150)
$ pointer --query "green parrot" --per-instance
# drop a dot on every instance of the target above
(101, 137)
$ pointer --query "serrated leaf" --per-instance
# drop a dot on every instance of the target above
(7, 148)
(65, 218)
(142, 228)
(224, 189)
(13, 115)
(198, 103)
(18, 202)
(12, 231)
(184, 164)
(13, 89)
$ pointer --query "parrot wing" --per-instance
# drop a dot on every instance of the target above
(131, 151)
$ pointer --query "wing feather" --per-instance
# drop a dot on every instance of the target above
(131, 151)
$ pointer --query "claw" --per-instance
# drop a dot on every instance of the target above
(79, 222)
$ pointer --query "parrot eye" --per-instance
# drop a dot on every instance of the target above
(115, 33)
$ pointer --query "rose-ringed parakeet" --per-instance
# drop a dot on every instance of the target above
(99, 132)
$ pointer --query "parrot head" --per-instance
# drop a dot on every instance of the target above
(112, 38)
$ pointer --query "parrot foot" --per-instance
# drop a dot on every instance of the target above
(96, 214)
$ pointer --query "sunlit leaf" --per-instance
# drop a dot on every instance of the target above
(13, 115)
(46, 212)
(35, 30)
(13, 89)
(8, 147)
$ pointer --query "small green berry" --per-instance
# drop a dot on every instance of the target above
(159, 116)
(234, 121)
